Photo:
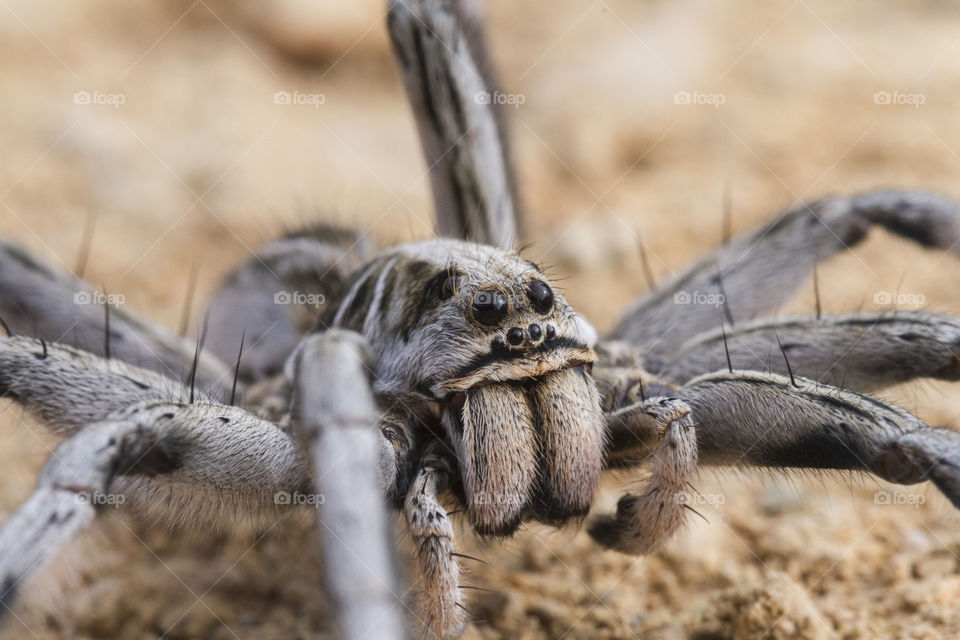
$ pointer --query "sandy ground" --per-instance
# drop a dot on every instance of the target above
(186, 159)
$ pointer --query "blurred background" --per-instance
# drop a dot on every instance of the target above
(167, 120)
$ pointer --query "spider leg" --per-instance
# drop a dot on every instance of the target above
(65, 501)
(38, 300)
(233, 461)
(279, 295)
(646, 519)
(762, 419)
(439, 609)
(200, 465)
(860, 351)
(439, 49)
(633, 432)
(68, 389)
(759, 271)
(336, 420)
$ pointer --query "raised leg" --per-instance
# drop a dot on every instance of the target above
(646, 519)
(750, 418)
(439, 47)
(757, 272)
(859, 351)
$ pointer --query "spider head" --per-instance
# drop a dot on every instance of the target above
(518, 326)
(486, 335)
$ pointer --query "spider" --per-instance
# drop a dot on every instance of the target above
(453, 372)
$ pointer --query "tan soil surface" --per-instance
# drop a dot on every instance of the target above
(198, 165)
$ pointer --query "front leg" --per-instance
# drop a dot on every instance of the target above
(439, 609)
(645, 520)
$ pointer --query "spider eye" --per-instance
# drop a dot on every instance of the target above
(541, 296)
(489, 307)
(450, 286)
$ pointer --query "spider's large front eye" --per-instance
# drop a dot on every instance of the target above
(541, 296)
(489, 307)
(443, 285)
(450, 286)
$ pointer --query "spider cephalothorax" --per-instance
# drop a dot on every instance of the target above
(482, 334)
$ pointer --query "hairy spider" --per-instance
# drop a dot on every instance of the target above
(453, 371)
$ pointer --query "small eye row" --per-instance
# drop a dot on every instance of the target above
(516, 336)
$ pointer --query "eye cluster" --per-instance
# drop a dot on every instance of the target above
(491, 307)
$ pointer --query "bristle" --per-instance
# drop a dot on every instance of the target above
(816, 290)
(463, 555)
(726, 348)
(686, 506)
(236, 371)
(193, 371)
(725, 303)
(85, 243)
(727, 230)
(188, 302)
(106, 325)
(789, 368)
(645, 263)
